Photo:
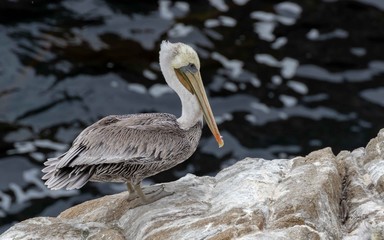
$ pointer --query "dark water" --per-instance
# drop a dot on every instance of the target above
(283, 78)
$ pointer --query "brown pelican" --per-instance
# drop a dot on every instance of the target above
(129, 148)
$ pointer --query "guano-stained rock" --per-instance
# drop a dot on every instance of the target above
(320, 196)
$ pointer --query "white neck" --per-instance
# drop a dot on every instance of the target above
(191, 111)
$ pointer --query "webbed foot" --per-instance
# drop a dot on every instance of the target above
(150, 194)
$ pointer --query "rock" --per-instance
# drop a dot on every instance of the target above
(320, 196)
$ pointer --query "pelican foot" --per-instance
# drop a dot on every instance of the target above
(147, 195)
(155, 192)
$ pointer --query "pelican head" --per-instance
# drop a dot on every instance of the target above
(180, 65)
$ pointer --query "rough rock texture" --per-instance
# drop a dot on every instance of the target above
(320, 196)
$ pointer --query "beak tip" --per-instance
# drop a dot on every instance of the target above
(220, 141)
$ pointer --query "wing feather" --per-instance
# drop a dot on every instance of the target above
(130, 138)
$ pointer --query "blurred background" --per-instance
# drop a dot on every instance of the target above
(284, 78)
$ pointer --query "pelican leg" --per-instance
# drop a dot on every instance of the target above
(130, 188)
(140, 192)
(135, 190)
(153, 193)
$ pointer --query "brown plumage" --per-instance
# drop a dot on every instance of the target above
(121, 148)
(129, 148)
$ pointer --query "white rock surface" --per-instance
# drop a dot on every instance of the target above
(320, 196)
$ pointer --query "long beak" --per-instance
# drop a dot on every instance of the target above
(191, 79)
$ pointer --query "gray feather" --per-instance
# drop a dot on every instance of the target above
(122, 148)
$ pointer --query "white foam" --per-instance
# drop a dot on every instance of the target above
(279, 42)
(223, 118)
(265, 30)
(263, 16)
(251, 118)
(22, 147)
(183, 6)
(137, 88)
(211, 23)
(221, 21)
(6, 201)
(164, 9)
(46, 143)
(149, 74)
(180, 30)
(277, 80)
(357, 51)
(315, 35)
(230, 86)
(288, 101)
(288, 9)
(267, 60)
(298, 87)
(159, 90)
(38, 156)
(255, 82)
(219, 5)
(227, 21)
(234, 66)
(289, 67)
(260, 106)
(286, 20)
(240, 2)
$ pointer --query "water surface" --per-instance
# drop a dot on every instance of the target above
(283, 77)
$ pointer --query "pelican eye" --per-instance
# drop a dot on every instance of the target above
(192, 67)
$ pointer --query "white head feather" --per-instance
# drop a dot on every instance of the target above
(173, 56)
